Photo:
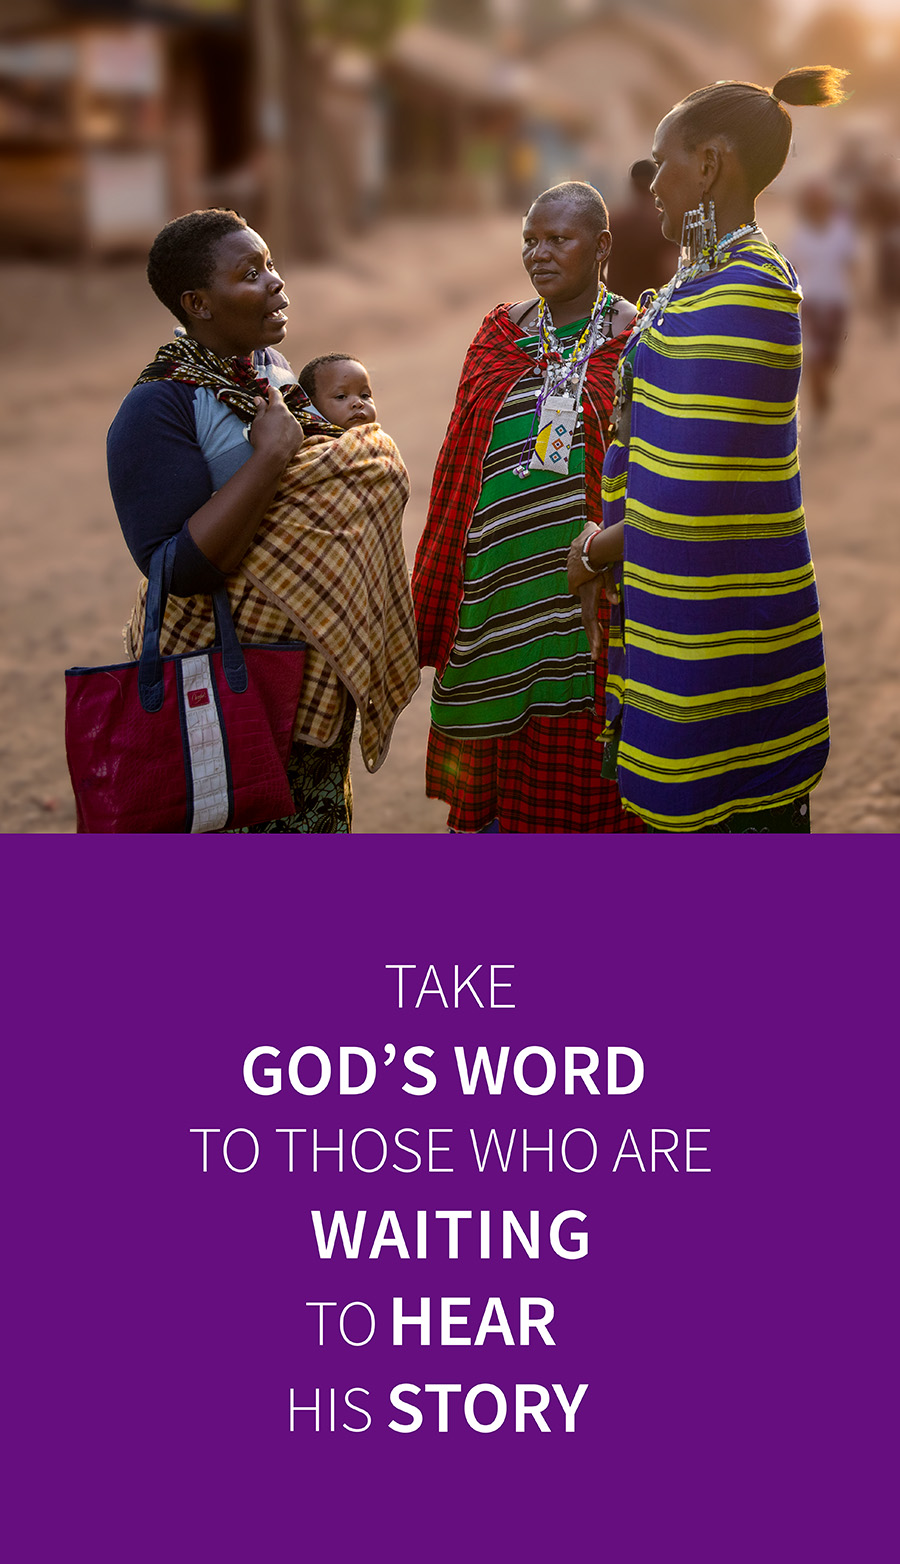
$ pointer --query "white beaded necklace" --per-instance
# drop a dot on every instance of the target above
(653, 308)
(656, 307)
(562, 367)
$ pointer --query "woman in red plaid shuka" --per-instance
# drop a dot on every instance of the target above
(518, 700)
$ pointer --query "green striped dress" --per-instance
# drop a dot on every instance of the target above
(521, 650)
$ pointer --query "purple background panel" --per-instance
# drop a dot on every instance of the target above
(732, 1327)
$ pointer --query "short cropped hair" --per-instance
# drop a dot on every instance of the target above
(587, 201)
(307, 375)
(182, 256)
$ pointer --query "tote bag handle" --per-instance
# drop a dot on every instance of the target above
(151, 683)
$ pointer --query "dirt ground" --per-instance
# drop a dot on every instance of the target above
(406, 300)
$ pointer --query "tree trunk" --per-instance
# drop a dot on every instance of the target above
(301, 215)
(312, 219)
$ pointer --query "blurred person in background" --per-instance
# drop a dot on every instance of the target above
(717, 709)
(824, 249)
(849, 175)
(217, 446)
(641, 256)
(517, 697)
(880, 210)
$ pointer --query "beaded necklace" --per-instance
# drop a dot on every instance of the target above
(563, 369)
(658, 304)
(652, 307)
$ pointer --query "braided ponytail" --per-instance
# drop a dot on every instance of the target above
(755, 121)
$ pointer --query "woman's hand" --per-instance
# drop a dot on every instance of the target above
(577, 572)
(605, 548)
(224, 527)
(275, 432)
(590, 595)
(611, 589)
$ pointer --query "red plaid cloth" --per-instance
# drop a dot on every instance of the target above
(492, 366)
(546, 777)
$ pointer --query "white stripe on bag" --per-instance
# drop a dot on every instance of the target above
(206, 751)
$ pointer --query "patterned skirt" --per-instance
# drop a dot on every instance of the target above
(544, 778)
(320, 786)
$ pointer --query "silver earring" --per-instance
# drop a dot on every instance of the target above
(699, 237)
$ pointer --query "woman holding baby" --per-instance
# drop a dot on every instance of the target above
(296, 510)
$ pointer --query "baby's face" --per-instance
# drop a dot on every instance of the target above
(344, 395)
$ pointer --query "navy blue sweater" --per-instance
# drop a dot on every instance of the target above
(169, 448)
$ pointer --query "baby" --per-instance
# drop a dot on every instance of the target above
(338, 387)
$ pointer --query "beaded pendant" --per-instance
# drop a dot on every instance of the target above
(549, 442)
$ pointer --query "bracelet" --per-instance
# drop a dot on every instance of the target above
(595, 570)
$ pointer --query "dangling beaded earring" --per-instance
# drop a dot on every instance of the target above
(699, 237)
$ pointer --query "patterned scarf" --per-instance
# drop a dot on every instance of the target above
(233, 380)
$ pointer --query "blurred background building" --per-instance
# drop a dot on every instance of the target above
(314, 117)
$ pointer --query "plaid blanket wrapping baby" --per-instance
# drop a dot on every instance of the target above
(327, 566)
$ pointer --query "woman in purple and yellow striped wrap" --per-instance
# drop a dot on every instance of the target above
(717, 709)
